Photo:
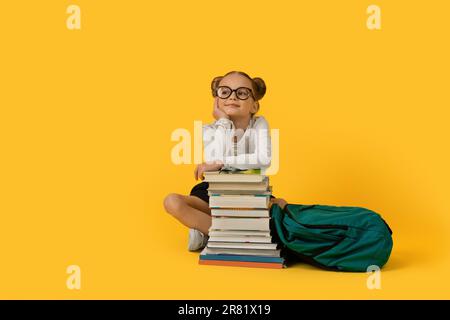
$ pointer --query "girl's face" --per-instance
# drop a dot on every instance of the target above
(233, 106)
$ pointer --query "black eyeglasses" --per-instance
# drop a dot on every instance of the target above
(242, 93)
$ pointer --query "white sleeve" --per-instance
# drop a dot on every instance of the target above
(214, 139)
(261, 157)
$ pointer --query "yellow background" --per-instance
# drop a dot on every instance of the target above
(86, 119)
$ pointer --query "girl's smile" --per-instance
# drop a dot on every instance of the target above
(233, 105)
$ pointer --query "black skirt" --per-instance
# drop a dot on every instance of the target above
(200, 190)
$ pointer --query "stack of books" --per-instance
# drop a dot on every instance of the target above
(240, 233)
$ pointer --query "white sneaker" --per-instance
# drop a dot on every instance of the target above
(197, 240)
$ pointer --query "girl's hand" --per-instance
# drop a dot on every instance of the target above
(217, 112)
(279, 201)
(200, 168)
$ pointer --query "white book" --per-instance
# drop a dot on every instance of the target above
(232, 201)
(251, 186)
(253, 239)
(242, 245)
(267, 192)
(224, 176)
(245, 252)
(239, 212)
(224, 233)
(241, 223)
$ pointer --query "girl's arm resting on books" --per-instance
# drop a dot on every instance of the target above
(214, 140)
(248, 161)
(200, 168)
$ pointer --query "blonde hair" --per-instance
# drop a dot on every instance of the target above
(258, 84)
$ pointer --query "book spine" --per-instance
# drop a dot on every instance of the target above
(242, 264)
(229, 257)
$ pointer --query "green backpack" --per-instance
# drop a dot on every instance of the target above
(331, 237)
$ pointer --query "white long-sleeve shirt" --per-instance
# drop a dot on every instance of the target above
(253, 147)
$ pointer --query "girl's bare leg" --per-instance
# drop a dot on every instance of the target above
(191, 211)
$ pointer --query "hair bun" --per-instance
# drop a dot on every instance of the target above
(260, 87)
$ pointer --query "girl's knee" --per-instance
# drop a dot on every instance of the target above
(173, 203)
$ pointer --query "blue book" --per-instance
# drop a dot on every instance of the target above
(229, 257)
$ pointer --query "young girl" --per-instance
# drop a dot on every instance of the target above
(227, 144)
